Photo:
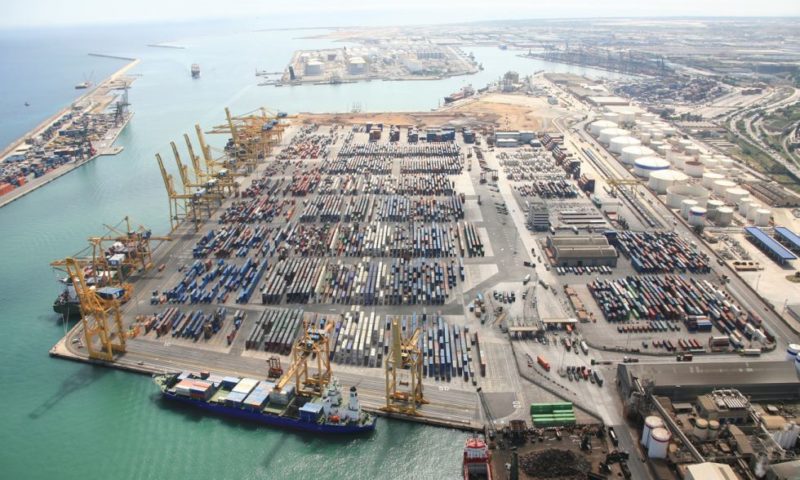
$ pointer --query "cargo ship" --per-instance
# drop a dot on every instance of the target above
(465, 92)
(259, 401)
(195, 70)
(477, 460)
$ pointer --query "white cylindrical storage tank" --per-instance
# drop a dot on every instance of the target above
(656, 134)
(616, 144)
(725, 162)
(683, 143)
(679, 192)
(644, 166)
(710, 163)
(762, 217)
(607, 134)
(700, 429)
(596, 127)
(797, 364)
(611, 117)
(659, 441)
(644, 137)
(710, 177)
(693, 168)
(713, 429)
(734, 195)
(697, 216)
(648, 117)
(743, 205)
(650, 423)
(626, 115)
(631, 153)
(661, 147)
(724, 217)
(687, 205)
(669, 130)
(713, 206)
(720, 186)
(751, 210)
(791, 351)
(661, 180)
(693, 151)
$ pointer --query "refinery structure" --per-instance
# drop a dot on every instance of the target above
(590, 283)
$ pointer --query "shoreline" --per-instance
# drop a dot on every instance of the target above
(105, 150)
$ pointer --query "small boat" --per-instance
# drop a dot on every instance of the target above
(83, 85)
(195, 70)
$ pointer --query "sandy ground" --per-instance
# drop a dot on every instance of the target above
(495, 110)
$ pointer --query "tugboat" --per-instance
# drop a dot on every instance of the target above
(195, 70)
(477, 460)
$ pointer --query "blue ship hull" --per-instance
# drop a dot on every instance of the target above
(272, 420)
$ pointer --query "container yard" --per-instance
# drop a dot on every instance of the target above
(369, 239)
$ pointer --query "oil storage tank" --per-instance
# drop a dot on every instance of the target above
(762, 217)
(631, 153)
(686, 206)
(693, 168)
(710, 177)
(679, 192)
(607, 134)
(659, 441)
(697, 216)
(734, 195)
(616, 144)
(651, 423)
(596, 127)
(644, 166)
(720, 186)
(724, 217)
(661, 180)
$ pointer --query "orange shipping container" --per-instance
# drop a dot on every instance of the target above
(5, 188)
(21, 181)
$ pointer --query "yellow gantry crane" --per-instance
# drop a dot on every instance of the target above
(220, 180)
(404, 355)
(252, 136)
(314, 343)
(100, 317)
(182, 206)
(211, 188)
(136, 254)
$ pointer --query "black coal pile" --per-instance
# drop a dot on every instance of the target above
(555, 463)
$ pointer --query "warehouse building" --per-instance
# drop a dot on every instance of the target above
(685, 381)
(582, 251)
(538, 215)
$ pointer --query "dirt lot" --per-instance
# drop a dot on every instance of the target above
(491, 110)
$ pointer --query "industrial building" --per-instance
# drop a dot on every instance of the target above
(582, 251)
(685, 381)
(773, 194)
(788, 238)
(538, 215)
(769, 245)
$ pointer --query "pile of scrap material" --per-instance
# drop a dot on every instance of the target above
(555, 463)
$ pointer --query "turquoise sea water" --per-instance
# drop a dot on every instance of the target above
(66, 420)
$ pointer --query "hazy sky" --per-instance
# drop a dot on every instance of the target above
(23, 13)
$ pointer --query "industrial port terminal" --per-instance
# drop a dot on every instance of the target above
(582, 280)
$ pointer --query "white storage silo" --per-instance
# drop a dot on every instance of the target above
(596, 127)
(700, 429)
(660, 147)
(644, 166)
(710, 163)
(683, 143)
(611, 117)
(650, 423)
(720, 186)
(713, 206)
(669, 130)
(659, 441)
(656, 134)
(679, 192)
(661, 180)
(710, 177)
(692, 151)
(693, 168)
(631, 153)
(725, 162)
(752, 209)
(648, 117)
(616, 144)
(627, 115)
(697, 216)
(687, 205)
(743, 205)
(607, 134)
(713, 429)
(762, 217)
(724, 217)
(734, 195)
(644, 137)
(792, 350)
